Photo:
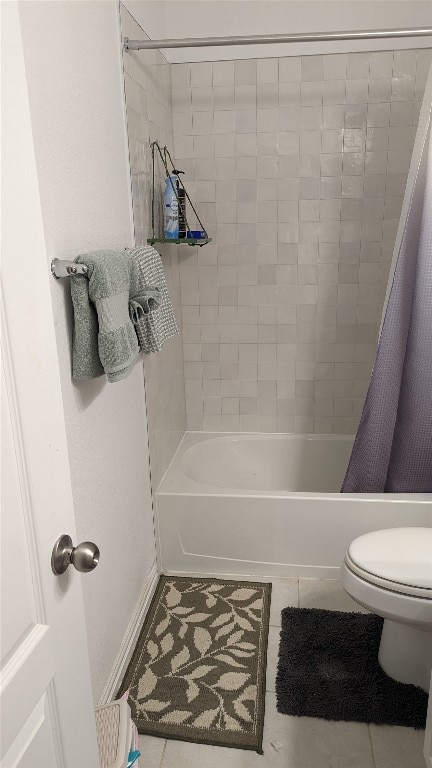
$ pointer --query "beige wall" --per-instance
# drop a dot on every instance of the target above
(149, 117)
(73, 67)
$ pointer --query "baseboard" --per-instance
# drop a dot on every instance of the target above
(270, 571)
(130, 638)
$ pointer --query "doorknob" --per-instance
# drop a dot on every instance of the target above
(84, 557)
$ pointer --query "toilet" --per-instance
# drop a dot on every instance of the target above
(389, 572)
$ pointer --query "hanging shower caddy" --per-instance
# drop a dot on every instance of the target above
(189, 239)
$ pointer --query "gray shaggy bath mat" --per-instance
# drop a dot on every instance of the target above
(328, 667)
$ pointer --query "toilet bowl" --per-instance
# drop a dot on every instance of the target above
(389, 572)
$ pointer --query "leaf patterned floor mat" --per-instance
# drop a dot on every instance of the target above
(198, 669)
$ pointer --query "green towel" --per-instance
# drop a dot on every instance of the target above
(104, 337)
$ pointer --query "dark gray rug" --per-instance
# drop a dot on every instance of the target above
(328, 668)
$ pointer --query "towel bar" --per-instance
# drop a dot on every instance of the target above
(63, 268)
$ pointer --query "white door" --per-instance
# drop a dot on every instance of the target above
(47, 718)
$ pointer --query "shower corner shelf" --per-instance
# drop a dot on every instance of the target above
(165, 157)
(180, 240)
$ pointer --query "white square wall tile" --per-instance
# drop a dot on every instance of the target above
(334, 92)
(289, 118)
(290, 69)
(311, 118)
(201, 74)
(404, 62)
(289, 94)
(356, 116)
(381, 64)
(223, 97)
(378, 115)
(267, 120)
(357, 65)
(202, 123)
(202, 99)
(401, 113)
(223, 121)
(335, 66)
(333, 116)
(245, 72)
(267, 95)
(180, 75)
(402, 88)
(311, 93)
(182, 99)
(357, 91)
(288, 143)
(379, 89)
(182, 123)
(223, 73)
(312, 68)
(245, 96)
(267, 70)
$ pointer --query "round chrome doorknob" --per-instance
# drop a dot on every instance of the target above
(84, 557)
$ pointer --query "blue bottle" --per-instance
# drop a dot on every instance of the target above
(171, 208)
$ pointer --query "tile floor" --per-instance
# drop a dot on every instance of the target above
(293, 742)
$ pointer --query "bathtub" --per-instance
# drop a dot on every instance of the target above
(269, 505)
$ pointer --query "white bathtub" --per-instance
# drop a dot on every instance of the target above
(268, 505)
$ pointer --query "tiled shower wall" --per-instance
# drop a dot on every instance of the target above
(299, 167)
(149, 117)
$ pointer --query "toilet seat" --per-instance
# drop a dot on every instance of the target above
(396, 559)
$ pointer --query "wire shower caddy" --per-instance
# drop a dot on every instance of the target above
(188, 239)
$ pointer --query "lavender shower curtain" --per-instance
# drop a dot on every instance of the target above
(392, 451)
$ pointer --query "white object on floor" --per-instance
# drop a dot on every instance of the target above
(389, 572)
(114, 733)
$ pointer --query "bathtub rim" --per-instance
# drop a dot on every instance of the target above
(191, 487)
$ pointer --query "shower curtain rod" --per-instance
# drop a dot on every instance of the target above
(298, 37)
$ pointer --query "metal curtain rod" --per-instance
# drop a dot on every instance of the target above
(297, 37)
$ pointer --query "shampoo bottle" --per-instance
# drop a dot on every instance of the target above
(171, 208)
(181, 195)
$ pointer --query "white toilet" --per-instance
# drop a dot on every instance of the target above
(390, 573)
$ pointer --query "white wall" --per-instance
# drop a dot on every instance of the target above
(149, 115)
(217, 18)
(73, 67)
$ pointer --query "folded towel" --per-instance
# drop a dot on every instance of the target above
(104, 336)
(142, 305)
(155, 322)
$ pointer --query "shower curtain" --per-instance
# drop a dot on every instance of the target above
(392, 451)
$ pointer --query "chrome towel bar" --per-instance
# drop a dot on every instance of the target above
(62, 268)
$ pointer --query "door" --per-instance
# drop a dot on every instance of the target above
(47, 718)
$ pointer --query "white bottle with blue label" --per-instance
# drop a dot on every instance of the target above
(171, 208)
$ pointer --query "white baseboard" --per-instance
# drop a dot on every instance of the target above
(130, 638)
(251, 573)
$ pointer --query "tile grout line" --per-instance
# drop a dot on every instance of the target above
(163, 754)
(372, 746)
